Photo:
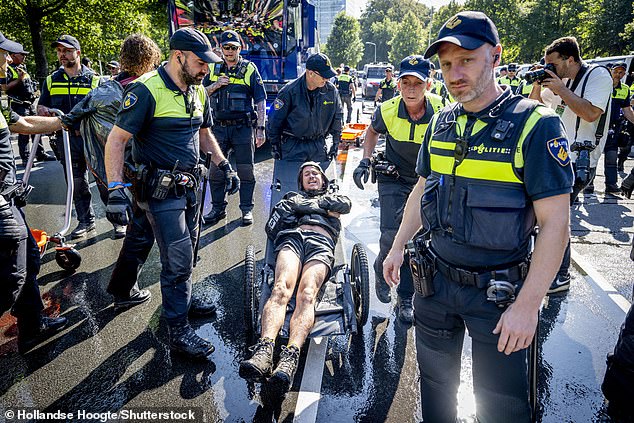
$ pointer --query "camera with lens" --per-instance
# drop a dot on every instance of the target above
(582, 164)
(539, 74)
(382, 166)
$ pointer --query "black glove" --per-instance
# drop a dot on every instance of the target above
(118, 210)
(10, 229)
(627, 186)
(362, 173)
(354, 98)
(232, 182)
(276, 150)
(334, 149)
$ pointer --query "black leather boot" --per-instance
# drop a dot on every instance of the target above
(184, 340)
(32, 331)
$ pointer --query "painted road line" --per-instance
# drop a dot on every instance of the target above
(593, 277)
(310, 389)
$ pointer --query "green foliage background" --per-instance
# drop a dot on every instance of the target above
(344, 44)
(603, 27)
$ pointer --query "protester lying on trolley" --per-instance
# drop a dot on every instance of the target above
(305, 227)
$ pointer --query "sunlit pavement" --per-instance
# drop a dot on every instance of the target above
(109, 362)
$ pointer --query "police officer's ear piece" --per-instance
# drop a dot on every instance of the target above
(179, 60)
(496, 58)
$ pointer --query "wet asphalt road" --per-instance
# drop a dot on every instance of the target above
(108, 362)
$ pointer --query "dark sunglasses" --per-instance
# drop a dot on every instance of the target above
(229, 47)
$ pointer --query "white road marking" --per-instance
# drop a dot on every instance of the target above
(310, 389)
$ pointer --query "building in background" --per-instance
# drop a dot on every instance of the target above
(326, 10)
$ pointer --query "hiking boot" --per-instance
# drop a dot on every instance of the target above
(30, 331)
(184, 340)
(381, 287)
(405, 309)
(82, 229)
(283, 375)
(247, 218)
(259, 366)
(136, 297)
(214, 216)
(560, 284)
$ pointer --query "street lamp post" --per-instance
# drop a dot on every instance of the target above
(372, 44)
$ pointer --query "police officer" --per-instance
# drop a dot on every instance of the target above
(404, 120)
(114, 67)
(235, 87)
(305, 111)
(387, 86)
(525, 88)
(346, 85)
(483, 186)
(621, 117)
(19, 253)
(64, 88)
(167, 114)
(510, 78)
(23, 91)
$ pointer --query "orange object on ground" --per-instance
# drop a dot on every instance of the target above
(41, 238)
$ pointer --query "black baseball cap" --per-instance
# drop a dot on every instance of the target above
(619, 65)
(468, 30)
(320, 63)
(230, 37)
(415, 65)
(512, 67)
(113, 64)
(190, 39)
(8, 45)
(67, 41)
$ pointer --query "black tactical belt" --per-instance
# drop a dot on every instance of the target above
(231, 122)
(478, 279)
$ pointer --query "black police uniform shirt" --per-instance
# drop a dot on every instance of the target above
(546, 172)
(7, 159)
(165, 128)
(239, 90)
(24, 91)
(67, 92)
(403, 153)
(388, 88)
(305, 115)
(620, 100)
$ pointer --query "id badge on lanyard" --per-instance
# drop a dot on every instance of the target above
(562, 106)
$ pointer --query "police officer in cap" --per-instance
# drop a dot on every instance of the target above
(511, 78)
(621, 116)
(404, 120)
(23, 90)
(19, 253)
(235, 87)
(167, 114)
(346, 85)
(62, 90)
(483, 185)
(387, 86)
(304, 113)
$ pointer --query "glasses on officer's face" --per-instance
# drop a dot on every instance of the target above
(230, 47)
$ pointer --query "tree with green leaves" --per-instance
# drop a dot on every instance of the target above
(344, 43)
(410, 38)
(99, 25)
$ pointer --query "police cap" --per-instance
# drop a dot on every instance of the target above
(320, 63)
(190, 39)
(67, 41)
(113, 64)
(416, 66)
(468, 30)
(619, 65)
(8, 45)
(513, 67)
(346, 68)
(230, 37)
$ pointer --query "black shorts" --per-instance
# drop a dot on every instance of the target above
(307, 245)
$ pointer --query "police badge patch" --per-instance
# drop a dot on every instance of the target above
(129, 100)
(278, 104)
(558, 148)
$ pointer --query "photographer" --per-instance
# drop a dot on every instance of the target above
(580, 94)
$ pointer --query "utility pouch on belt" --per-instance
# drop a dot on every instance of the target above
(422, 266)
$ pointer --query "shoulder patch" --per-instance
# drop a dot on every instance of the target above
(278, 104)
(129, 101)
(558, 149)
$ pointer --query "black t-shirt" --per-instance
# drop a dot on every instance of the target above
(7, 159)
